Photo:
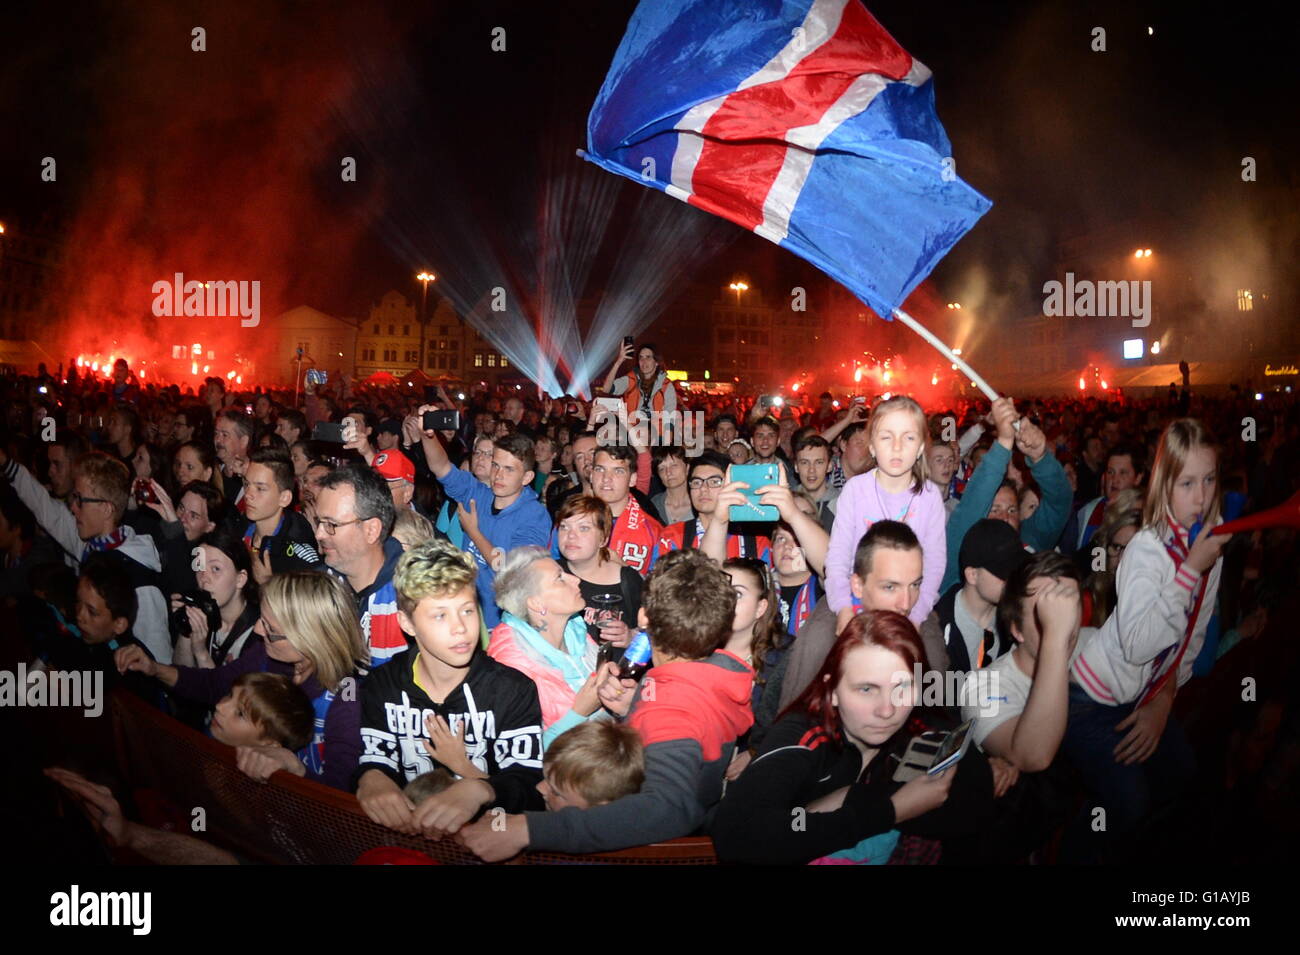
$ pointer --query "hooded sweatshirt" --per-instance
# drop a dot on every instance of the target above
(494, 711)
(689, 714)
(150, 626)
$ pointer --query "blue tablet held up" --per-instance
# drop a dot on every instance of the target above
(757, 476)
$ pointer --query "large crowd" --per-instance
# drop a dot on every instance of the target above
(529, 624)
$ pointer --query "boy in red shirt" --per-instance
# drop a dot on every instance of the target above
(690, 709)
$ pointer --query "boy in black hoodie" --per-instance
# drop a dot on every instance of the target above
(446, 704)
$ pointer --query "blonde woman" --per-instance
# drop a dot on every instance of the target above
(309, 631)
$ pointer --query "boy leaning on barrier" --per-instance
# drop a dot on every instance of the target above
(446, 704)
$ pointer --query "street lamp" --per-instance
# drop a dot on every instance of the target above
(424, 278)
(738, 287)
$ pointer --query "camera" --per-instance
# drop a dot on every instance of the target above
(179, 621)
(144, 492)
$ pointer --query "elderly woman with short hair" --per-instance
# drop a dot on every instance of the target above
(542, 634)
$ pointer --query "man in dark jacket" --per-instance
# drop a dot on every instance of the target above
(279, 537)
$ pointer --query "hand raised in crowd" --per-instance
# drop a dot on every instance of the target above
(448, 748)
(1004, 419)
(410, 430)
(1005, 775)
(133, 658)
(163, 505)
(354, 440)
(779, 496)
(445, 813)
(1206, 549)
(854, 412)
(918, 796)
(238, 465)
(384, 802)
(1057, 609)
(729, 496)
(259, 763)
(419, 418)
(615, 694)
(1031, 441)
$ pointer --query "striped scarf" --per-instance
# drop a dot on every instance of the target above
(110, 541)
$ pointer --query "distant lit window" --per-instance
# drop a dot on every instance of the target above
(1245, 300)
(478, 359)
(505, 363)
(492, 360)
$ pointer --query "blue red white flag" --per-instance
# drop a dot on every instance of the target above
(802, 120)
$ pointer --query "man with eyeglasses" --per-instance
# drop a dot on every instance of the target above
(92, 523)
(705, 481)
(354, 524)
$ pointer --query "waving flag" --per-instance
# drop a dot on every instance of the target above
(802, 120)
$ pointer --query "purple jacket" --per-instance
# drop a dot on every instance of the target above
(342, 723)
(862, 504)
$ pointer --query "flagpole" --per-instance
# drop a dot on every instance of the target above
(948, 353)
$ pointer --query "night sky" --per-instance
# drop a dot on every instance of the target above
(229, 158)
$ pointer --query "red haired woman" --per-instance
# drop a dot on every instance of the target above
(822, 789)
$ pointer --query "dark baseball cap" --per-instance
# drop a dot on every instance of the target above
(993, 545)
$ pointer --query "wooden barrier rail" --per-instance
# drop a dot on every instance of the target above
(289, 819)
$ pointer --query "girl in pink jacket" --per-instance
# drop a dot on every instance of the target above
(896, 489)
